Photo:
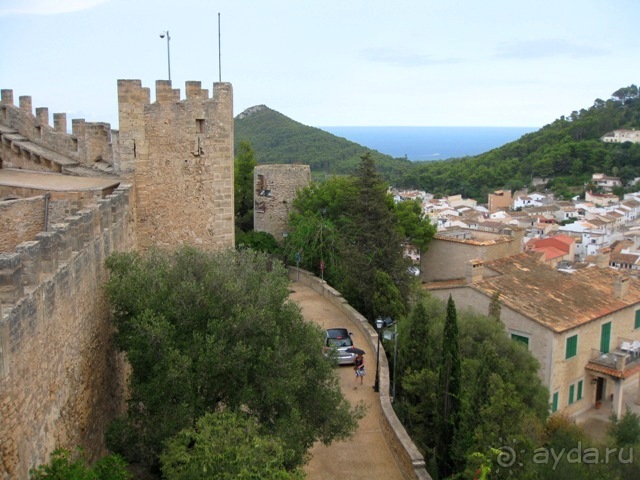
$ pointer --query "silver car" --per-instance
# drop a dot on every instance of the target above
(338, 340)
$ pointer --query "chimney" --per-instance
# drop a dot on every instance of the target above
(620, 287)
(474, 271)
(603, 258)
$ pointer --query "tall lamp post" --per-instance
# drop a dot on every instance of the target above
(380, 324)
(162, 35)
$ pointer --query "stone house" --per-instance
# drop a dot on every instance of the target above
(622, 135)
(595, 235)
(450, 249)
(601, 199)
(553, 250)
(580, 326)
(605, 182)
(500, 199)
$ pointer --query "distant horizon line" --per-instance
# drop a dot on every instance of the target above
(426, 126)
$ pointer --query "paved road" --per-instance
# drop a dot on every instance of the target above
(366, 455)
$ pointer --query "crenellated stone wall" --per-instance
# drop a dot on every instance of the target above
(61, 381)
(182, 168)
(30, 142)
(69, 200)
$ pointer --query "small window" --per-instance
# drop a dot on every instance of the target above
(199, 125)
(605, 337)
(572, 347)
(637, 324)
(579, 393)
(520, 338)
(572, 391)
(554, 403)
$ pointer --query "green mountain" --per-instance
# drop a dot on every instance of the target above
(276, 138)
(566, 152)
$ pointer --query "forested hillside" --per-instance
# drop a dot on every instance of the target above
(276, 138)
(567, 151)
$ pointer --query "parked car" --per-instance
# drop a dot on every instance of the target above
(338, 340)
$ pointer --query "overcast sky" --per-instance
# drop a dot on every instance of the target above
(328, 62)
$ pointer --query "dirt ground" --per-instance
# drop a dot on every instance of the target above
(366, 455)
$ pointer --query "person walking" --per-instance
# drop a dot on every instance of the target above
(359, 368)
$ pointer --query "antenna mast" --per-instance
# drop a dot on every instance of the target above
(219, 52)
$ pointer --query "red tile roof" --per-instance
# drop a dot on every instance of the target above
(612, 372)
(558, 300)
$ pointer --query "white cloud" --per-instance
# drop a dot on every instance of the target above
(546, 48)
(46, 7)
(404, 58)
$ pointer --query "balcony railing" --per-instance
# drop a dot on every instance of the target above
(615, 359)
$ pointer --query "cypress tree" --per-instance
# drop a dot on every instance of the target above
(243, 186)
(450, 386)
(494, 306)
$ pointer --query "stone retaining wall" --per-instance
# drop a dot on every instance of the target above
(406, 453)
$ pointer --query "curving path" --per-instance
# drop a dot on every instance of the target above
(366, 454)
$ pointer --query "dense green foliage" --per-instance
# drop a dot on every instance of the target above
(66, 465)
(243, 186)
(225, 445)
(569, 150)
(353, 226)
(205, 332)
(449, 378)
(279, 139)
(503, 429)
(565, 152)
(500, 395)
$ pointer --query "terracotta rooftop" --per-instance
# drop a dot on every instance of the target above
(624, 374)
(558, 300)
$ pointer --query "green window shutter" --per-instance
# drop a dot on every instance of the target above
(572, 347)
(579, 394)
(572, 390)
(520, 338)
(554, 404)
(637, 324)
(605, 337)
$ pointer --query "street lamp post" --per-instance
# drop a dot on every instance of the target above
(162, 35)
(379, 324)
(395, 357)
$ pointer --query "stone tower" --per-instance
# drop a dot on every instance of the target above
(275, 187)
(179, 155)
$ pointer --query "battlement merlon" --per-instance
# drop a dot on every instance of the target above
(87, 143)
(7, 97)
(131, 92)
(42, 113)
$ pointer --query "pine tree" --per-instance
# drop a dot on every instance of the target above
(450, 388)
(374, 241)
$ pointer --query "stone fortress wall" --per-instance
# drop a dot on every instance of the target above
(61, 381)
(69, 200)
(275, 187)
(29, 141)
(180, 157)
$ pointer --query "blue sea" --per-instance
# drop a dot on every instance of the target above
(430, 143)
